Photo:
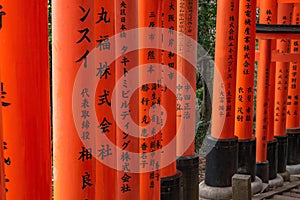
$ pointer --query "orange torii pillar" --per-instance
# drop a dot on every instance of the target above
(281, 89)
(293, 108)
(74, 176)
(149, 99)
(126, 20)
(171, 187)
(187, 161)
(25, 96)
(221, 160)
(264, 136)
(2, 176)
(272, 147)
(104, 30)
(244, 87)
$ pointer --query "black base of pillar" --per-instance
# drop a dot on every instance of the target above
(247, 157)
(171, 187)
(221, 161)
(293, 157)
(189, 166)
(272, 157)
(262, 171)
(282, 153)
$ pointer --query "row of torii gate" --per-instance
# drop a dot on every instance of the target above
(97, 154)
(270, 150)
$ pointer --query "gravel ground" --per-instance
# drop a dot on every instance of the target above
(202, 161)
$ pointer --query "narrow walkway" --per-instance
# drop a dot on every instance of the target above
(289, 191)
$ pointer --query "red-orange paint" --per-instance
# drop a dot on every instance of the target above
(187, 23)
(168, 99)
(293, 116)
(245, 69)
(74, 175)
(125, 179)
(282, 73)
(225, 70)
(150, 15)
(104, 30)
(265, 86)
(25, 96)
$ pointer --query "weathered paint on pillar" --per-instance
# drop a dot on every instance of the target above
(245, 69)
(293, 115)
(25, 96)
(225, 70)
(282, 74)
(74, 175)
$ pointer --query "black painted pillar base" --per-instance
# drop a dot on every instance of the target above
(272, 157)
(282, 153)
(172, 187)
(293, 157)
(221, 161)
(189, 166)
(262, 171)
(247, 157)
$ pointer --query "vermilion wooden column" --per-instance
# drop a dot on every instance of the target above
(149, 95)
(223, 113)
(244, 87)
(187, 162)
(293, 108)
(271, 97)
(262, 109)
(74, 176)
(281, 90)
(271, 18)
(171, 187)
(223, 109)
(181, 26)
(126, 20)
(187, 12)
(293, 115)
(169, 20)
(105, 26)
(245, 70)
(264, 98)
(25, 96)
(2, 174)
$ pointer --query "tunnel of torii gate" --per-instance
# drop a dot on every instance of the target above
(100, 104)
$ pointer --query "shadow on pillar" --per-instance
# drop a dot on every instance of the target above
(221, 165)
(189, 166)
(221, 161)
(247, 157)
(293, 151)
(275, 180)
(272, 157)
(282, 157)
(172, 187)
